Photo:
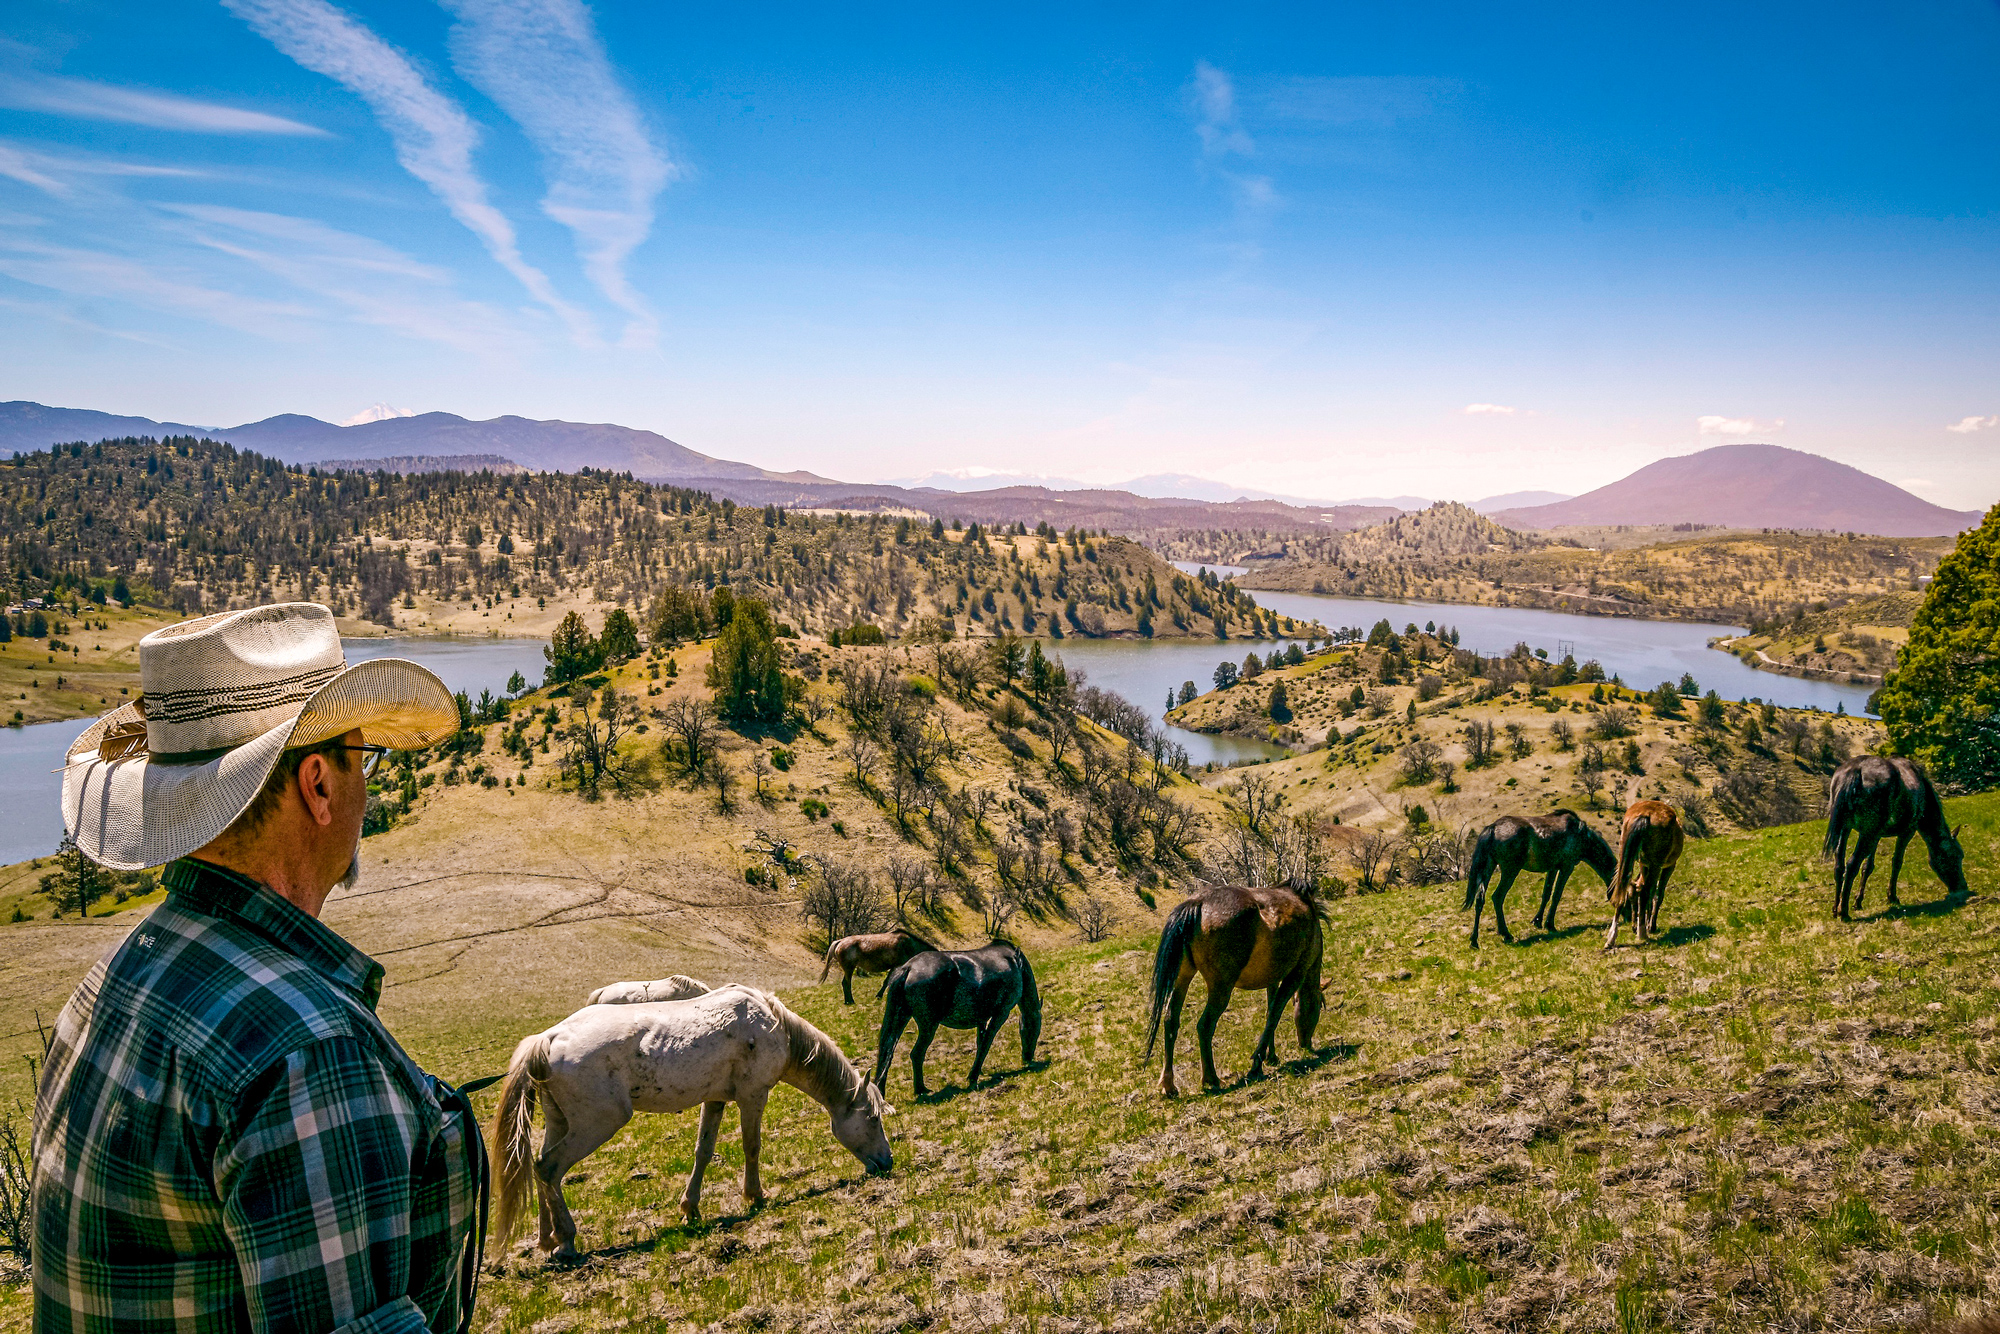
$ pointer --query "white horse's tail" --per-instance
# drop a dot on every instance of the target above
(831, 946)
(511, 1140)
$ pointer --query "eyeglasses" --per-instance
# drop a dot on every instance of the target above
(372, 756)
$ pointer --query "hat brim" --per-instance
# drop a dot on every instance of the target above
(129, 814)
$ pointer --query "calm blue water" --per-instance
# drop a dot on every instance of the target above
(1643, 653)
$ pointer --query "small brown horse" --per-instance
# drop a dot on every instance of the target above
(1235, 936)
(882, 952)
(1649, 847)
(1871, 798)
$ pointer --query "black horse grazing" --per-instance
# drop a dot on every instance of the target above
(1554, 843)
(973, 989)
(1237, 937)
(1870, 797)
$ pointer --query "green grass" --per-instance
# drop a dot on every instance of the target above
(1764, 1119)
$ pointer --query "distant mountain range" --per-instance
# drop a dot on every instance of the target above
(547, 446)
(1751, 486)
(1733, 486)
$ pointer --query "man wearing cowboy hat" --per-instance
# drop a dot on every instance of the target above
(226, 1137)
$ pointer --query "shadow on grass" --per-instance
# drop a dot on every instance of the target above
(1937, 907)
(666, 1237)
(1525, 941)
(1676, 936)
(1317, 1058)
(948, 1092)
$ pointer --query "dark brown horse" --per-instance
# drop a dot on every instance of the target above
(1237, 937)
(1649, 847)
(1552, 843)
(975, 989)
(881, 952)
(1870, 797)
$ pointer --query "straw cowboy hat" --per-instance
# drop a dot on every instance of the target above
(222, 698)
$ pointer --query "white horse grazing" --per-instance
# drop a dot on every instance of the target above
(634, 993)
(597, 1067)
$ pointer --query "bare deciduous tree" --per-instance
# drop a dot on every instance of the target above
(1094, 919)
(691, 734)
(1420, 760)
(1259, 799)
(841, 900)
(1373, 857)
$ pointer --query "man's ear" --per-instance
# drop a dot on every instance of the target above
(315, 786)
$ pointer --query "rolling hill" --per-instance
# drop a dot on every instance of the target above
(1751, 486)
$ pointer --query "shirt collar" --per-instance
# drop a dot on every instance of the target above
(224, 893)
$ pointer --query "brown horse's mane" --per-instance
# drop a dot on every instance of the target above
(818, 1068)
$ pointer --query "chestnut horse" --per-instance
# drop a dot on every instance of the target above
(1870, 797)
(881, 952)
(1256, 939)
(1649, 846)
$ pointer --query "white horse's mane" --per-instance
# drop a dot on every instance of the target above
(823, 1070)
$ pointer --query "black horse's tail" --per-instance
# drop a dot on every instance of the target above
(1182, 924)
(1636, 829)
(1483, 857)
(895, 1017)
(1839, 809)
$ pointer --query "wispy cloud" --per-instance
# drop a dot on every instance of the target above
(98, 275)
(85, 100)
(1212, 97)
(434, 137)
(368, 282)
(1713, 425)
(1216, 121)
(542, 63)
(60, 174)
(1967, 425)
(1488, 410)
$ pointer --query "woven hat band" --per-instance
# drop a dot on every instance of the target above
(222, 680)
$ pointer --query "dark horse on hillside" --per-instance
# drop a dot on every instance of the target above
(1649, 847)
(1266, 939)
(1870, 797)
(974, 989)
(1552, 843)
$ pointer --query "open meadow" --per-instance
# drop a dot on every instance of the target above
(1762, 1119)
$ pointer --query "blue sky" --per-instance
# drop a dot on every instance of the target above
(1332, 251)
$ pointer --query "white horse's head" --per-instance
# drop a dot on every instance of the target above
(858, 1126)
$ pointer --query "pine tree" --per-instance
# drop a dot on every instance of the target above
(77, 882)
(743, 671)
(572, 651)
(620, 640)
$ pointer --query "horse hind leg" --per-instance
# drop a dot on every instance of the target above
(926, 1030)
(1556, 898)
(704, 1149)
(1500, 905)
(585, 1134)
(983, 1043)
(1204, 1031)
(750, 1109)
(1168, 1088)
(1659, 896)
(1546, 910)
(1896, 867)
(1279, 996)
(847, 983)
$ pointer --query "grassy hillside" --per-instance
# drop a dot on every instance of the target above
(1385, 732)
(1763, 1119)
(1746, 578)
(1858, 641)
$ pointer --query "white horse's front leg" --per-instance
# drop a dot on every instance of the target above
(704, 1149)
(750, 1108)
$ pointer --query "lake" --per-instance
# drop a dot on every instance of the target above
(1644, 653)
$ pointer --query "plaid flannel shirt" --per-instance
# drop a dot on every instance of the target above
(227, 1139)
